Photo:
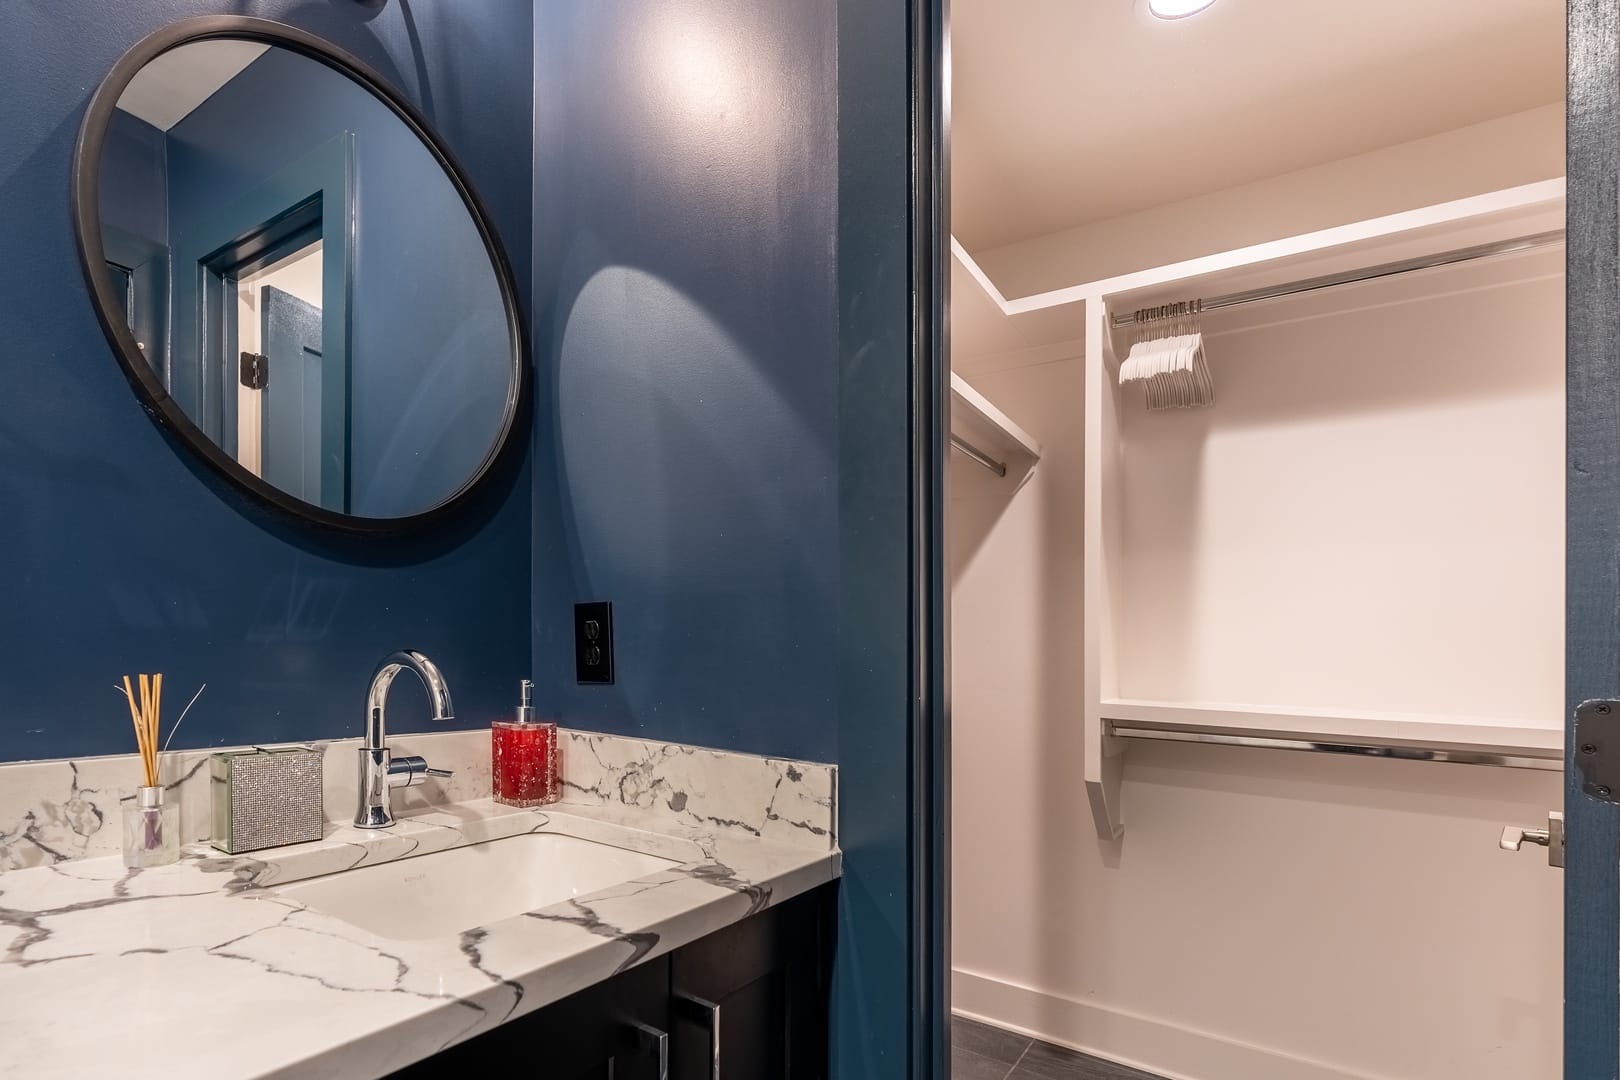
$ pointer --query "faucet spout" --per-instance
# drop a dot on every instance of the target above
(383, 679)
(379, 771)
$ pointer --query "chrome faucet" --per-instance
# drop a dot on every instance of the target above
(380, 771)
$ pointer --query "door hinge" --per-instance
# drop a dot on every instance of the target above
(1597, 748)
(255, 370)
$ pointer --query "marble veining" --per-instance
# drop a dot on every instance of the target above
(772, 798)
(213, 973)
(55, 811)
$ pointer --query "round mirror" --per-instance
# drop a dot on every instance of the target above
(294, 275)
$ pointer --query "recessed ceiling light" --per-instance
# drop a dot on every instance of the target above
(1177, 9)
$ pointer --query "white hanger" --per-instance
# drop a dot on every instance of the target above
(1168, 357)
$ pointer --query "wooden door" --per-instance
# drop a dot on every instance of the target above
(1592, 619)
(292, 454)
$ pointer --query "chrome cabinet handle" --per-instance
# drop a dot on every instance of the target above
(707, 1013)
(1514, 837)
(654, 1043)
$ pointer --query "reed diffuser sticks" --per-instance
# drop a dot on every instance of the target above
(151, 821)
(145, 714)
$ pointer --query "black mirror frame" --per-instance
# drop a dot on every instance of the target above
(154, 396)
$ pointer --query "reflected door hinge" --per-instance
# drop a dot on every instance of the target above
(255, 370)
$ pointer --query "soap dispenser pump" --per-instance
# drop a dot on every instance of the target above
(523, 756)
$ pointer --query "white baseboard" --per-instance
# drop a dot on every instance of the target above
(1142, 1042)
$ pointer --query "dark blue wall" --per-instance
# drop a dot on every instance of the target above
(135, 228)
(122, 554)
(135, 182)
(722, 449)
(429, 363)
(687, 350)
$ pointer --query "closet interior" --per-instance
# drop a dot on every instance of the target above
(1359, 545)
(1285, 473)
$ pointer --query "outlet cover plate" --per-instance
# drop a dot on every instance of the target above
(593, 643)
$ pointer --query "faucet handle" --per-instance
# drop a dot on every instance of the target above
(408, 770)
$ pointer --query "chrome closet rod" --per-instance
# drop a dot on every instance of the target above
(1371, 273)
(973, 452)
(1400, 753)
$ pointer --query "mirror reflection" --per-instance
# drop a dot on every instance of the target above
(305, 279)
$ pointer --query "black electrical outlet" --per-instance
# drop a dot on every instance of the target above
(593, 642)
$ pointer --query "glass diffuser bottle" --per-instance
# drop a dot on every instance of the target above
(151, 829)
(523, 757)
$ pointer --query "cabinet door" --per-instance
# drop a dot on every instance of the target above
(616, 1030)
(750, 1002)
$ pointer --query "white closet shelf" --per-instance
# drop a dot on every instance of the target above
(988, 431)
(1478, 219)
(1397, 730)
(1114, 511)
(985, 337)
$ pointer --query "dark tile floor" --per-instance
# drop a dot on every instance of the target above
(982, 1052)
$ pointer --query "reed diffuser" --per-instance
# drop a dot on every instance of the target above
(151, 822)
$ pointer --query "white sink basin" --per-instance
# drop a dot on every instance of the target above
(442, 894)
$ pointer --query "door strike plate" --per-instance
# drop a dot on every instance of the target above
(1597, 748)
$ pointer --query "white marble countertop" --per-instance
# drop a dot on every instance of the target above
(202, 970)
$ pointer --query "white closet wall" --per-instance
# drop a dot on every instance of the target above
(1355, 582)
(1370, 519)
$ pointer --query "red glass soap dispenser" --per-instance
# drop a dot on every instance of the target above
(523, 757)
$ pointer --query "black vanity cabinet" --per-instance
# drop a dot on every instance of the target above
(615, 1030)
(751, 1000)
(748, 1002)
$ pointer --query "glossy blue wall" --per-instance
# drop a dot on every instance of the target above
(722, 445)
(686, 340)
(121, 553)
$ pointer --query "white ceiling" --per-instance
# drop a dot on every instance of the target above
(1072, 111)
(166, 90)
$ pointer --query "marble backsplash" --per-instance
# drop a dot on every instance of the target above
(772, 798)
(52, 811)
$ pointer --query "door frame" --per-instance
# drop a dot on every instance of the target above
(931, 461)
(1592, 515)
(1592, 620)
(891, 999)
(314, 193)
